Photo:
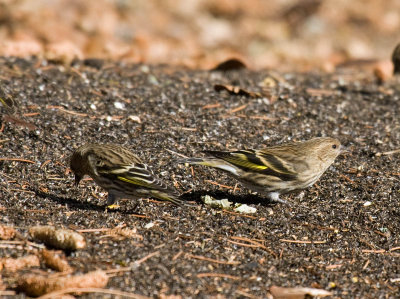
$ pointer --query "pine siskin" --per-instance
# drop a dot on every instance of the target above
(120, 172)
(279, 169)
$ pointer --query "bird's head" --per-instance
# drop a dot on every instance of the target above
(77, 165)
(326, 149)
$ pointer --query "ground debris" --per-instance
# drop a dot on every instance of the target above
(225, 204)
(7, 232)
(58, 238)
(321, 237)
(37, 285)
(15, 264)
(297, 292)
(120, 233)
(55, 260)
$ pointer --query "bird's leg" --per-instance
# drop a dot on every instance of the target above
(274, 196)
(110, 201)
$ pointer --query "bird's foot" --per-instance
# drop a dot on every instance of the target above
(274, 196)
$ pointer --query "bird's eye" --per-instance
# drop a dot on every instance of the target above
(334, 146)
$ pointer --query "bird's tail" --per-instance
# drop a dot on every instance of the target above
(212, 162)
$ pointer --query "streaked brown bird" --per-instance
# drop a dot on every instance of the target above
(278, 169)
(120, 172)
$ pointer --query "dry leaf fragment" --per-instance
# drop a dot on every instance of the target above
(36, 285)
(6, 232)
(13, 265)
(236, 90)
(58, 238)
(56, 260)
(297, 292)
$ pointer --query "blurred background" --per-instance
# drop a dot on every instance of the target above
(283, 34)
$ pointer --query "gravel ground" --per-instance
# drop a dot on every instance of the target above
(346, 227)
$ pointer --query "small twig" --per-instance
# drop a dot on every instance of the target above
(62, 109)
(184, 129)
(159, 246)
(394, 248)
(176, 256)
(373, 251)
(219, 185)
(124, 269)
(258, 117)
(221, 275)
(207, 259)
(58, 294)
(237, 109)
(366, 265)
(254, 243)
(243, 244)
(245, 294)
(331, 267)
(347, 179)
(388, 153)
(45, 163)
(176, 153)
(17, 159)
(142, 260)
(302, 242)
(210, 106)
(31, 114)
(11, 242)
(93, 230)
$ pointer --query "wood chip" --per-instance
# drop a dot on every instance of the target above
(13, 265)
(37, 285)
(6, 232)
(58, 238)
(55, 260)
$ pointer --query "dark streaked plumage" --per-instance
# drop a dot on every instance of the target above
(120, 172)
(276, 170)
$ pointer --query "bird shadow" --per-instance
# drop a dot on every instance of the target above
(68, 201)
(74, 204)
(254, 199)
(189, 197)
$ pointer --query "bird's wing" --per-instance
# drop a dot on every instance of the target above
(258, 162)
(137, 174)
